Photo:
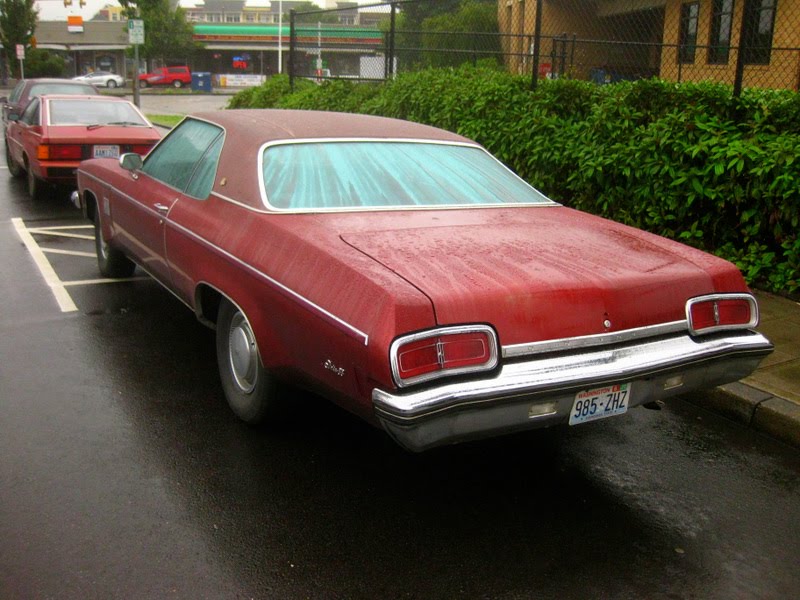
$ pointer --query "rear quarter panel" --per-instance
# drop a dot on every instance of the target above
(323, 313)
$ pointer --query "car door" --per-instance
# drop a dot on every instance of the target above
(25, 134)
(10, 106)
(141, 211)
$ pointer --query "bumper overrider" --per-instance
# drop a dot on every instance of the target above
(539, 389)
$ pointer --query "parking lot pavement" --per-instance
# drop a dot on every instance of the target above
(63, 252)
(769, 400)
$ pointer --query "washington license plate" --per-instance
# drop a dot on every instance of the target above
(106, 151)
(599, 403)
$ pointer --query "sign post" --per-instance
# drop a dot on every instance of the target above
(136, 37)
(21, 58)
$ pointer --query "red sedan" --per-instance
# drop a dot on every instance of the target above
(406, 274)
(55, 133)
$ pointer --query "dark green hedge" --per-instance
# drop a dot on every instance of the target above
(687, 161)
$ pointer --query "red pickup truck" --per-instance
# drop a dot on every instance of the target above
(174, 76)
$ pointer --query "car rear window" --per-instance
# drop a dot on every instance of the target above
(63, 88)
(387, 174)
(67, 111)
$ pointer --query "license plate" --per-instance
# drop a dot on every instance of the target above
(106, 151)
(600, 403)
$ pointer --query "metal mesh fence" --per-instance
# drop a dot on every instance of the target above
(750, 43)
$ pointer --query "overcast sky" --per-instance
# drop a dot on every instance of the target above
(54, 10)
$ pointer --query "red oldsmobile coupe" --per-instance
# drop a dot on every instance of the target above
(405, 273)
(55, 133)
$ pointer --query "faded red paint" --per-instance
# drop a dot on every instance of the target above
(314, 285)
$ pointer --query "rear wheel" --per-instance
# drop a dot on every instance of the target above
(142, 83)
(36, 187)
(177, 83)
(13, 167)
(110, 262)
(252, 392)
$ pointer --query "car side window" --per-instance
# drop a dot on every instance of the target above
(17, 92)
(203, 177)
(175, 159)
(31, 114)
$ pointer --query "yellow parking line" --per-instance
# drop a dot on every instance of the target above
(96, 281)
(76, 236)
(63, 298)
(60, 227)
(68, 252)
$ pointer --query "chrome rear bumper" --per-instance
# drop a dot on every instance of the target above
(539, 391)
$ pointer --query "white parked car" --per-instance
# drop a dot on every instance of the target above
(103, 79)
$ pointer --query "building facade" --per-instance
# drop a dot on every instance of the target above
(678, 40)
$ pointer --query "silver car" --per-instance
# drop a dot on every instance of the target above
(102, 79)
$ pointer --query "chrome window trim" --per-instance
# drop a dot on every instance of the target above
(754, 315)
(230, 200)
(591, 341)
(428, 333)
(159, 142)
(309, 303)
(287, 142)
(95, 99)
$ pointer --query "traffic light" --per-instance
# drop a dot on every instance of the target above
(33, 42)
(82, 2)
(67, 3)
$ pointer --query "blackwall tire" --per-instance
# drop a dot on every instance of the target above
(110, 262)
(36, 187)
(13, 167)
(252, 392)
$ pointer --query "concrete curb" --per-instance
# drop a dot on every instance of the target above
(754, 408)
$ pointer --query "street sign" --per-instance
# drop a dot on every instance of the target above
(21, 51)
(135, 31)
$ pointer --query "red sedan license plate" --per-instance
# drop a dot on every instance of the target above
(106, 151)
(599, 403)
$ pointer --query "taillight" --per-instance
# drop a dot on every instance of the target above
(442, 352)
(59, 152)
(719, 312)
(141, 149)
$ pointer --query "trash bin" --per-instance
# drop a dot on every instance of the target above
(201, 82)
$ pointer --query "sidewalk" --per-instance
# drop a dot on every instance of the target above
(769, 400)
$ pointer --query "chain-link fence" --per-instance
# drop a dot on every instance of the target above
(751, 43)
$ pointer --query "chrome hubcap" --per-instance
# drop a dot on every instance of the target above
(243, 353)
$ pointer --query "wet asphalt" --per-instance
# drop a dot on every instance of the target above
(124, 475)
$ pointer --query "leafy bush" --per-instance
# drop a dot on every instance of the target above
(41, 63)
(268, 94)
(688, 161)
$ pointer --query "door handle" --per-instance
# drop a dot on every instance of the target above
(162, 208)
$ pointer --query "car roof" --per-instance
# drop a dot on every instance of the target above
(247, 130)
(259, 126)
(53, 80)
(82, 97)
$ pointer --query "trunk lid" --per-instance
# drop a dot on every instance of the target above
(543, 273)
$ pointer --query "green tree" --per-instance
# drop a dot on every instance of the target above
(464, 35)
(320, 17)
(414, 13)
(17, 25)
(42, 63)
(167, 34)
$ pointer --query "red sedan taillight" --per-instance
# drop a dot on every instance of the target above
(59, 152)
(718, 312)
(141, 149)
(443, 352)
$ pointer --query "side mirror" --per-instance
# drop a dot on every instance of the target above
(12, 116)
(131, 162)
